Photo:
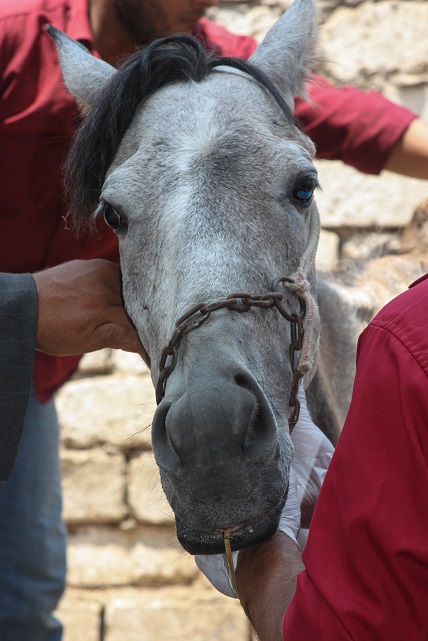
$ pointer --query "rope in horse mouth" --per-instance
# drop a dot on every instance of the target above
(228, 550)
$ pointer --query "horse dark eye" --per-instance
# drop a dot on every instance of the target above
(303, 191)
(112, 217)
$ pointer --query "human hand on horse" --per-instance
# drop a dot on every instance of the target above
(312, 455)
(80, 309)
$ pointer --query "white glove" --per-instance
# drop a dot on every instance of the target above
(216, 569)
(289, 521)
(312, 455)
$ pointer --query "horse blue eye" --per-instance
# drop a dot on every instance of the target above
(303, 191)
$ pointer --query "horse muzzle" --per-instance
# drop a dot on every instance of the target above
(223, 456)
(212, 542)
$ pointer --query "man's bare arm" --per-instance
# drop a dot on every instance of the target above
(409, 156)
(266, 578)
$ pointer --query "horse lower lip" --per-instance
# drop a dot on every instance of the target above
(212, 542)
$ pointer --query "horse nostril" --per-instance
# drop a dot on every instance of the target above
(240, 380)
(261, 428)
(165, 454)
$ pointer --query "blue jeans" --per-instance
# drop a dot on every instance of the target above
(32, 534)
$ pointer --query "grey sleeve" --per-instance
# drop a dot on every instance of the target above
(18, 327)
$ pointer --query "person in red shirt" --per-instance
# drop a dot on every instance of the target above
(365, 572)
(37, 121)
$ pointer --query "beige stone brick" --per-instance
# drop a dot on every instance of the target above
(95, 363)
(209, 617)
(129, 363)
(94, 485)
(357, 42)
(107, 557)
(81, 620)
(145, 495)
(352, 199)
(114, 409)
(328, 250)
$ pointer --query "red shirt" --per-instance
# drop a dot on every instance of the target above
(366, 559)
(37, 121)
(38, 118)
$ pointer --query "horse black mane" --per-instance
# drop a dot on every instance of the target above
(164, 61)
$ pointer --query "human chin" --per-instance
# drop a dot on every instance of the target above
(183, 26)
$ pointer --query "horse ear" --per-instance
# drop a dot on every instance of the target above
(84, 75)
(286, 54)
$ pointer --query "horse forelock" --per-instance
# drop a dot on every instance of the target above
(165, 61)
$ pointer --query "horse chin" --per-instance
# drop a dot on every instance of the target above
(212, 542)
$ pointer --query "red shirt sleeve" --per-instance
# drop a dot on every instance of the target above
(366, 560)
(360, 128)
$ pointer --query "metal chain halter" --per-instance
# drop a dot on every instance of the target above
(238, 302)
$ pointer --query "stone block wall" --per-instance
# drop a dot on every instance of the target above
(128, 578)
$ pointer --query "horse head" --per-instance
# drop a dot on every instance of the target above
(200, 168)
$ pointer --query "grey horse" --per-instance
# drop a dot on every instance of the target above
(199, 167)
